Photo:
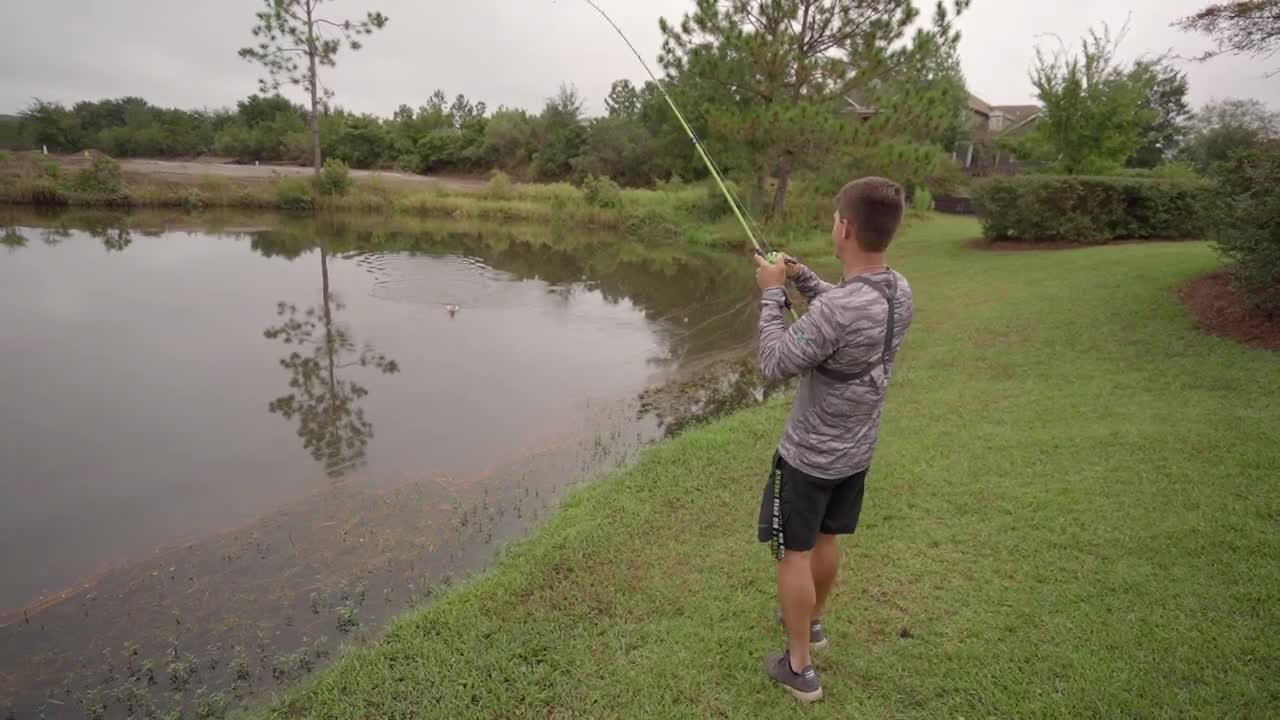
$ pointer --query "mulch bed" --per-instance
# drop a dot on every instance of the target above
(1221, 311)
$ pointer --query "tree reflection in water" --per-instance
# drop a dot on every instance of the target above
(331, 423)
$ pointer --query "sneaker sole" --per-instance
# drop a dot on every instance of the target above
(819, 645)
(805, 697)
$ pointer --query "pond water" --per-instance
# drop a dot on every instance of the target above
(232, 444)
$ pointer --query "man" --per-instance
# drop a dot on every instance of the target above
(845, 346)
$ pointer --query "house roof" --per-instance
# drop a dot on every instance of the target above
(1018, 113)
(858, 109)
(977, 104)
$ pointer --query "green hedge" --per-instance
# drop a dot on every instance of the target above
(1246, 225)
(1088, 210)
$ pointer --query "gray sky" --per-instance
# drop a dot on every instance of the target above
(505, 52)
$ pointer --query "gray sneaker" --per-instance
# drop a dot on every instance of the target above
(817, 636)
(803, 685)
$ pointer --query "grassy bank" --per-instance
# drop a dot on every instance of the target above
(694, 212)
(1074, 513)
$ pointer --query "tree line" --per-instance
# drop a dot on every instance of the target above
(825, 89)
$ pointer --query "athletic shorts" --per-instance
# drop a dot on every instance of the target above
(809, 506)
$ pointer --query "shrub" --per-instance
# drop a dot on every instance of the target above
(101, 183)
(499, 187)
(48, 168)
(1166, 171)
(709, 203)
(294, 194)
(4, 156)
(673, 184)
(652, 223)
(45, 191)
(334, 179)
(1246, 223)
(1088, 210)
(922, 200)
(602, 192)
(193, 199)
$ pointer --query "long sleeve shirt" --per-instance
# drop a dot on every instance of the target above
(835, 424)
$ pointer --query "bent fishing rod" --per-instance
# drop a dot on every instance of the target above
(757, 238)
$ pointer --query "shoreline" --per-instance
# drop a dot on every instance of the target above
(687, 213)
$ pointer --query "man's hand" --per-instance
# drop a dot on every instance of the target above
(770, 275)
(793, 265)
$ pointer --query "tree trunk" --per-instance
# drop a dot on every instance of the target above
(329, 343)
(757, 193)
(315, 90)
(784, 183)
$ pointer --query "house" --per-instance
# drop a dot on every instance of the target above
(979, 154)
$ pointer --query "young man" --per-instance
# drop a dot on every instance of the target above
(845, 346)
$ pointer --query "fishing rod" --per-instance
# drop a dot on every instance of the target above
(760, 244)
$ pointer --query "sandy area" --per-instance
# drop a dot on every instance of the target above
(190, 170)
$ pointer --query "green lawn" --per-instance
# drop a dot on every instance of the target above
(1075, 512)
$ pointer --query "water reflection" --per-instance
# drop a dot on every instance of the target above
(331, 423)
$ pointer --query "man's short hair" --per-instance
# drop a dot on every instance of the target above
(874, 207)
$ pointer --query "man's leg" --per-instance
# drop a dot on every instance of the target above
(798, 595)
(826, 564)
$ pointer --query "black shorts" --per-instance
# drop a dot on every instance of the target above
(810, 506)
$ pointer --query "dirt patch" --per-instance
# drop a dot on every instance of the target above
(1025, 245)
(1223, 312)
(190, 172)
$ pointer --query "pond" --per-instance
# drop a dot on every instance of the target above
(235, 442)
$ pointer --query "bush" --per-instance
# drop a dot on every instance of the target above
(1246, 223)
(709, 203)
(193, 199)
(44, 191)
(101, 183)
(4, 156)
(674, 184)
(499, 187)
(47, 168)
(602, 192)
(334, 179)
(294, 194)
(652, 223)
(1166, 171)
(922, 200)
(1090, 210)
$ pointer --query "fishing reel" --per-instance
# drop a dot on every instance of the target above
(772, 257)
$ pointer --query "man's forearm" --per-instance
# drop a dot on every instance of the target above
(809, 284)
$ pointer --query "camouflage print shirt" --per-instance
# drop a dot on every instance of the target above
(834, 425)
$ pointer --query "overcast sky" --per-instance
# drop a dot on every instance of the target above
(505, 52)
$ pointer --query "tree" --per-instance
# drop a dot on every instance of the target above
(560, 135)
(1240, 27)
(623, 100)
(1222, 129)
(1095, 108)
(51, 124)
(294, 42)
(508, 138)
(777, 78)
(1170, 114)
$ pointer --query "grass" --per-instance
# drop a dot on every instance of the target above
(1074, 513)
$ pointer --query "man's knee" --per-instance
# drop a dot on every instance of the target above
(794, 558)
(826, 541)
